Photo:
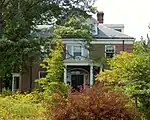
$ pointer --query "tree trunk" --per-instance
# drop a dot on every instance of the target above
(1, 24)
(0, 84)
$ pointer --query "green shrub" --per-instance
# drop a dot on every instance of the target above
(33, 97)
(21, 106)
(6, 92)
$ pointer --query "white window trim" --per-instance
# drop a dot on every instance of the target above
(113, 47)
(13, 82)
(72, 49)
(41, 72)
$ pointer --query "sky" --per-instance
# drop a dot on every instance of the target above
(134, 14)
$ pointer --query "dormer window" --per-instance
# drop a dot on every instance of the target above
(119, 30)
(93, 28)
(109, 51)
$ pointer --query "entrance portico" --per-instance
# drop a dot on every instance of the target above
(78, 74)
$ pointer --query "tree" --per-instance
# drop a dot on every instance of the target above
(118, 71)
(19, 17)
(73, 28)
(131, 74)
(54, 67)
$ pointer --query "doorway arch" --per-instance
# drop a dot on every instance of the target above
(78, 76)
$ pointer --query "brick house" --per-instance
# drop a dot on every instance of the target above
(80, 69)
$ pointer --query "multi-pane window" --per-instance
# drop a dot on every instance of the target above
(77, 51)
(42, 74)
(109, 51)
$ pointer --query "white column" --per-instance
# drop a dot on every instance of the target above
(91, 75)
(13, 82)
(65, 74)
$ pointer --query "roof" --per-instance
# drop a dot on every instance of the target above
(42, 31)
(104, 32)
(108, 33)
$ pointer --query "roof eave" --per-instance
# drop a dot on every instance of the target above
(98, 37)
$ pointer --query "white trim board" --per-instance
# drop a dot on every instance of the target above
(100, 41)
(97, 39)
(77, 64)
(112, 42)
(69, 63)
(16, 74)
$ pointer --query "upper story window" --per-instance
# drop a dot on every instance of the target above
(109, 51)
(42, 74)
(76, 50)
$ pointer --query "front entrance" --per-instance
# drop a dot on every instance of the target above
(77, 81)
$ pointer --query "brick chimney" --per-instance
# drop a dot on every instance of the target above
(100, 17)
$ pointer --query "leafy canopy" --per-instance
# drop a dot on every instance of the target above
(18, 18)
(54, 63)
(130, 72)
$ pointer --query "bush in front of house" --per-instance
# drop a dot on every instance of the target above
(27, 106)
(97, 103)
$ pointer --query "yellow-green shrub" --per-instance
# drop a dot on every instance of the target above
(21, 106)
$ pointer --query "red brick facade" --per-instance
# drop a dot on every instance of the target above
(97, 51)
(126, 47)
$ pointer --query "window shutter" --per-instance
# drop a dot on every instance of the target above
(85, 53)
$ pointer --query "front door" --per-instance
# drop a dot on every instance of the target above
(77, 80)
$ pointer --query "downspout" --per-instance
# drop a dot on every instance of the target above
(123, 45)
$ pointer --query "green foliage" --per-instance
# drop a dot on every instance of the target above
(130, 73)
(5, 92)
(118, 71)
(54, 67)
(18, 18)
(21, 106)
(95, 103)
(75, 27)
